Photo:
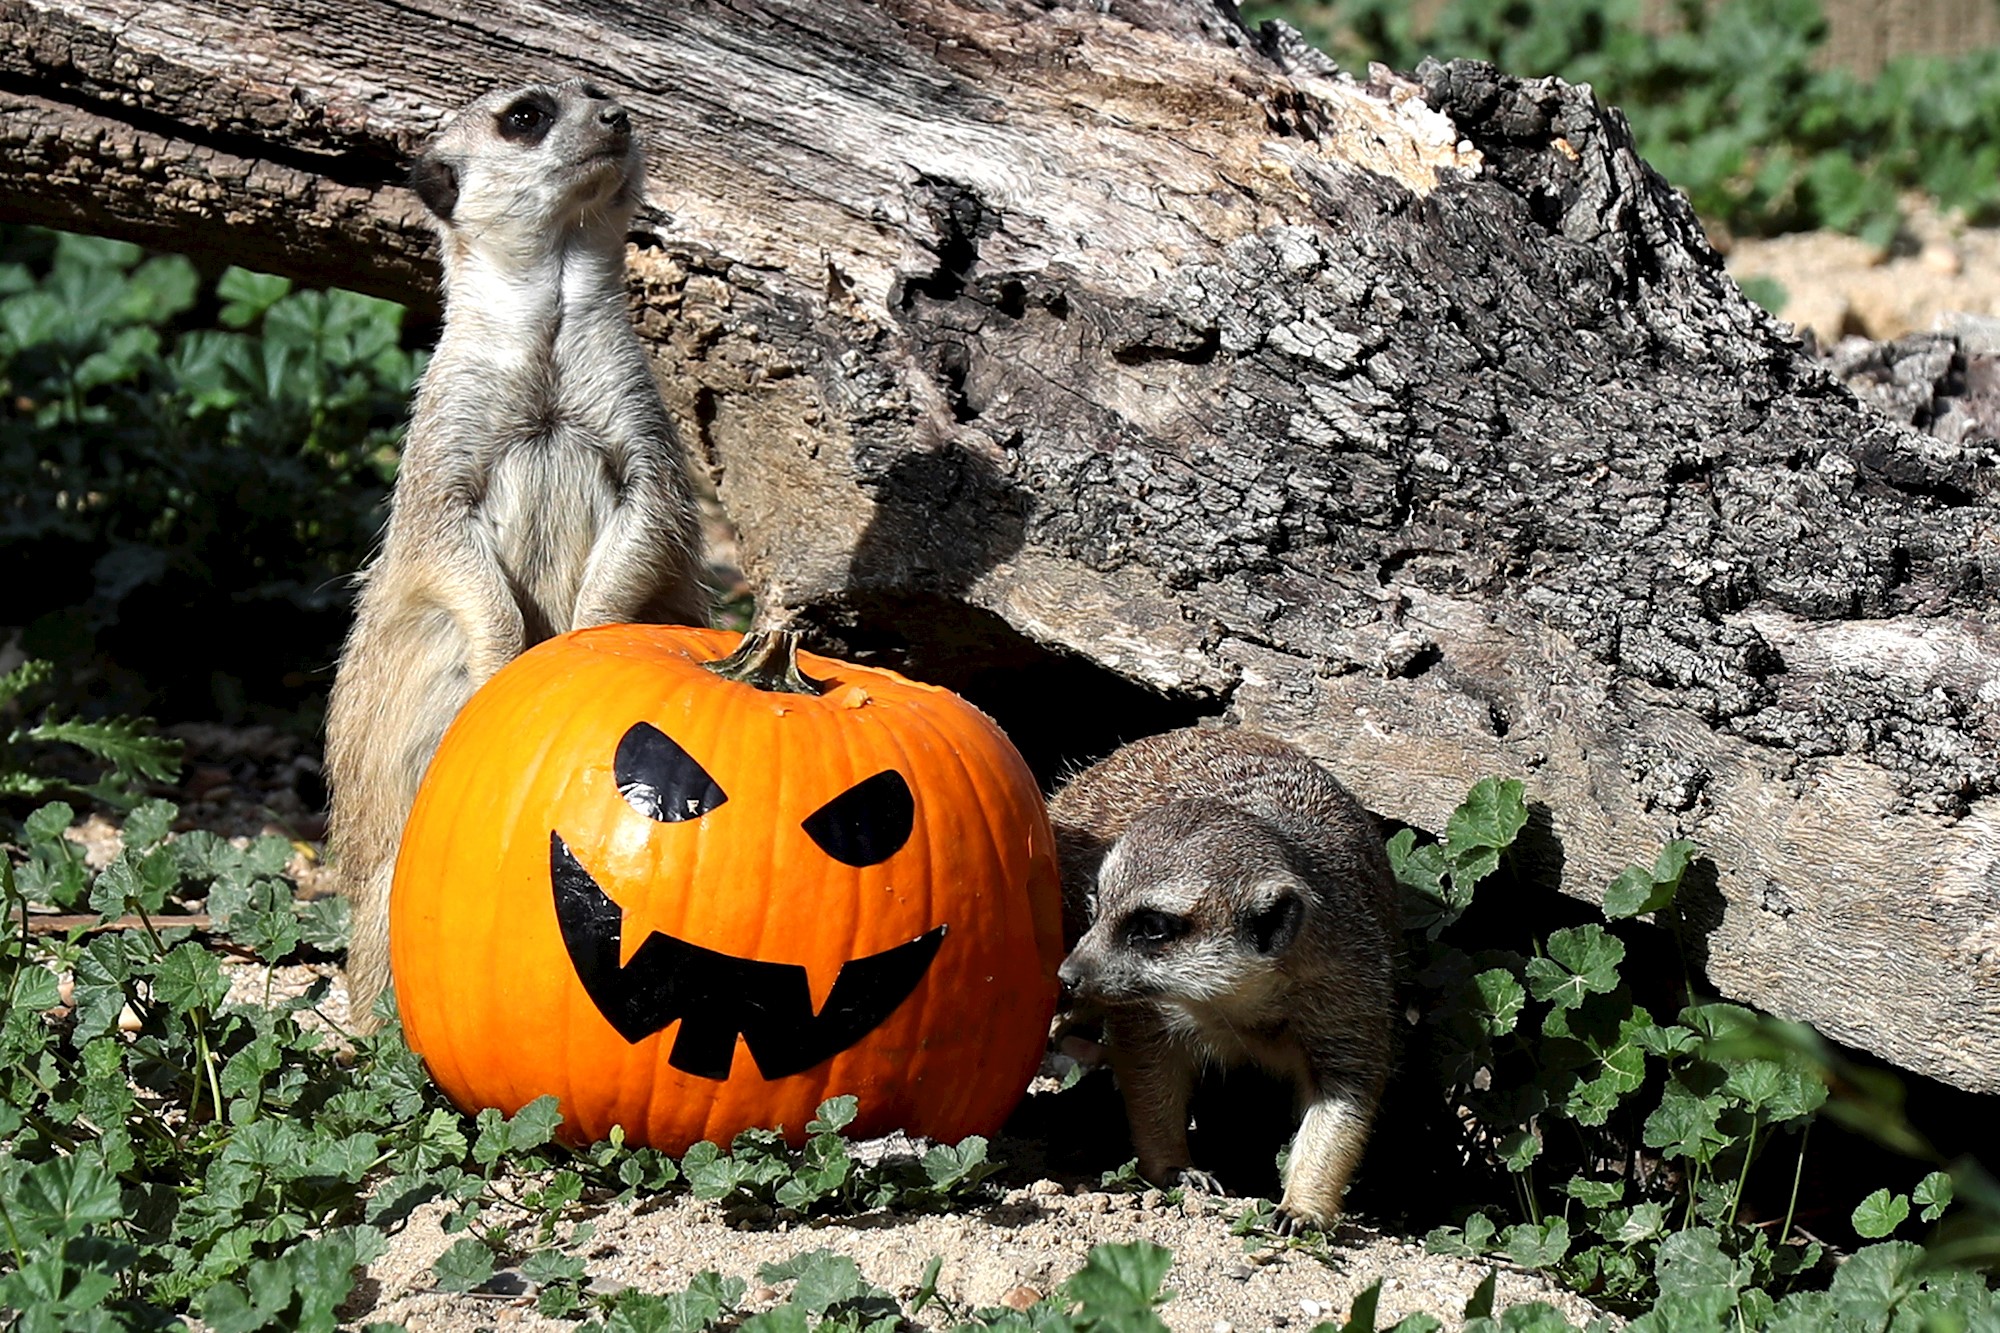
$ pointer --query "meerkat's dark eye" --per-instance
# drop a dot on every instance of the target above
(526, 121)
(1149, 929)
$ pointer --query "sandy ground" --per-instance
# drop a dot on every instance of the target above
(1840, 286)
(1009, 1253)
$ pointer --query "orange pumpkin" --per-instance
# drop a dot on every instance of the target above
(690, 896)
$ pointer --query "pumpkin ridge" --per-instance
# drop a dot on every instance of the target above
(924, 1002)
(1012, 909)
(732, 713)
(869, 749)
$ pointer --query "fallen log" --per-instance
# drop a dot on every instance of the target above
(1123, 366)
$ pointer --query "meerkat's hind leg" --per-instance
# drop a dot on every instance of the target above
(1324, 1153)
(383, 736)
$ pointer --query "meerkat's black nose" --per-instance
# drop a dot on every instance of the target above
(614, 118)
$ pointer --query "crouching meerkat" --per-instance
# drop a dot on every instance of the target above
(1240, 911)
(542, 488)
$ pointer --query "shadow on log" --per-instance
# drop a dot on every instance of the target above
(1411, 419)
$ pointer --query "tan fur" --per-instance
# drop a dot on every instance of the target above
(542, 488)
(1239, 910)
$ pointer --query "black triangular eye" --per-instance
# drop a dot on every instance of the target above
(866, 824)
(661, 780)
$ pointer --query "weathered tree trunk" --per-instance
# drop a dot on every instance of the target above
(1061, 349)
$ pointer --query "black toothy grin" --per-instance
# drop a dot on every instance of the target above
(717, 997)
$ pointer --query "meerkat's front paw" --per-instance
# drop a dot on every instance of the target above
(1195, 1182)
(1288, 1223)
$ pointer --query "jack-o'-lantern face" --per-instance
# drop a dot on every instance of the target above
(688, 905)
(717, 997)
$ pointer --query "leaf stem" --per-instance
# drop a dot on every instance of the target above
(1743, 1176)
(27, 932)
(199, 1017)
(13, 1238)
(1798, 1170)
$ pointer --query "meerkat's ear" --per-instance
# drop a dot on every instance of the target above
(436, 183)
(1272, 927)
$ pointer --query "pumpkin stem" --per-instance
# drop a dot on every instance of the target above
(769, 661)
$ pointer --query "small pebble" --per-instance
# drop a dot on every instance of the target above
(1152, 1199)
(761, 1295)
(1311, 1309)
(1043, 1189)
(1094, 1203)
(1192, 1205)
(1222, 1326)
(1941, 258)
(506, 1282)
(1281, 1321)
(1240, 1273)
(1020, 1298)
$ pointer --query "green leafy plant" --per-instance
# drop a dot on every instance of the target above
(182, 457)
(178, 1137)
(130, 754)
(1546, 1054)
(1629, 1141)
(760, 1170)
(1117, 1290)
(209, 1151)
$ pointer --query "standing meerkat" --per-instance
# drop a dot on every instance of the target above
(1241, 911)
(542, 488)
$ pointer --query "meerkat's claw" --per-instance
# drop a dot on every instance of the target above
(1288, 1223)
(1196, 1182)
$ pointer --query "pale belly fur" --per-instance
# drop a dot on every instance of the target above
(546, 505)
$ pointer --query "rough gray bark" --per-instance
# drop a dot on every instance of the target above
(1043, 348)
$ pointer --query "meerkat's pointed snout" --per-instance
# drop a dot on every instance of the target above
(1072, 976)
